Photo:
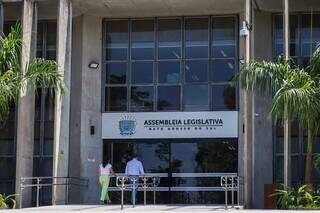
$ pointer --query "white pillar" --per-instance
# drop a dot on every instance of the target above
(286, 126)
(26, 103)
(248, 119)
(62, 103)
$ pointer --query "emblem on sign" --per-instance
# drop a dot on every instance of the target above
(127, 125)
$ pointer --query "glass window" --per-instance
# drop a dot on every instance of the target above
(142, 98)
(169, 72)
(196, 97)
(117, 40)
(51, 40)
(310, 36)
(294, 35)
(196, 36)
(168, 98)
(141, 72)
(169, 35)
(223, 37)
(196, 71)
(116, 73)
(116, 97)
(223, 70)
(142, 47)
(7, 168)
(224, 97)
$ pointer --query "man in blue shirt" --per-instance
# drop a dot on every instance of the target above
(134, 168)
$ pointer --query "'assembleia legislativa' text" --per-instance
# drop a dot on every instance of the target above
(174, 122)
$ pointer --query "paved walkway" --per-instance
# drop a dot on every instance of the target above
(141, 209)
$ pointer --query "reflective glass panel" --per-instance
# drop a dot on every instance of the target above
(196, 97)
(196, 36)
(169, 35)
(223, 97)
(169, 72)
(142, 98)
(141, 72)
(51, 40)
(310, 36)
(116, 73)
(196, 71)
(142, 38)
(223, 37)
(116, 97)
(168, 98)
(294, 35)
(223, 70)
(117, 40)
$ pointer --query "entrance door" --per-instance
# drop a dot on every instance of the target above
(189, 168)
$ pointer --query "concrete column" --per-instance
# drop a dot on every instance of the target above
(248, 119)
(62, 103)
(26, 103)
(286, 126)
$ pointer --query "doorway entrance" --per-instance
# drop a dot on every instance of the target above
(190, 169)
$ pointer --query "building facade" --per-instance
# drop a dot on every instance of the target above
(154, 77)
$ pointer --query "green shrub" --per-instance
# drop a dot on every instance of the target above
(297, 198)
(7, 202)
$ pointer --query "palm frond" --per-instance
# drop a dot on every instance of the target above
(10, 47)
(43, 73)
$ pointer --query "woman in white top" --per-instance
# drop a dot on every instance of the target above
(105, 170)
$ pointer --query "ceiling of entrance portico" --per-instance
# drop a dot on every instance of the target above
(136, 8)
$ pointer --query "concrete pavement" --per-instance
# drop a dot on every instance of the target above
(141, 209)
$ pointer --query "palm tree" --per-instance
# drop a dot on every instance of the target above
(312, 123)
(294, 93)
(40, 73)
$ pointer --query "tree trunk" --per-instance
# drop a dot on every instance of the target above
(308, 174)
(287, 149)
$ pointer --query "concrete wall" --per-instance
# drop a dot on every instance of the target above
(263, 143)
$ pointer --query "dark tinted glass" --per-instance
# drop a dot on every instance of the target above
(117, 40)
(141, 72)
(142, 37)
(116, 73)
(7, 168)
(39, 40)
(196, 36)
(223, 70)
(7, 132)
(223, 97)
(196, 71)
(169, 72)
(310, 36)
(116, 98)
(223, 37)
(294, 35)
(51, 40)
(169, 35)
(168, 98)
(142, 98)
(203, 157)
(196, 97)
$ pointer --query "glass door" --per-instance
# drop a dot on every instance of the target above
(190, 169)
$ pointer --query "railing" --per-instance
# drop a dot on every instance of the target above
(40, 182)
(226, 182)
(134, 182)
(230, 183)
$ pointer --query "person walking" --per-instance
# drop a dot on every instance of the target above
(105, 170)
(135, 169)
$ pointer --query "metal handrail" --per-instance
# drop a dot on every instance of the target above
(231, 183)
(132, 182)
(39, 185)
